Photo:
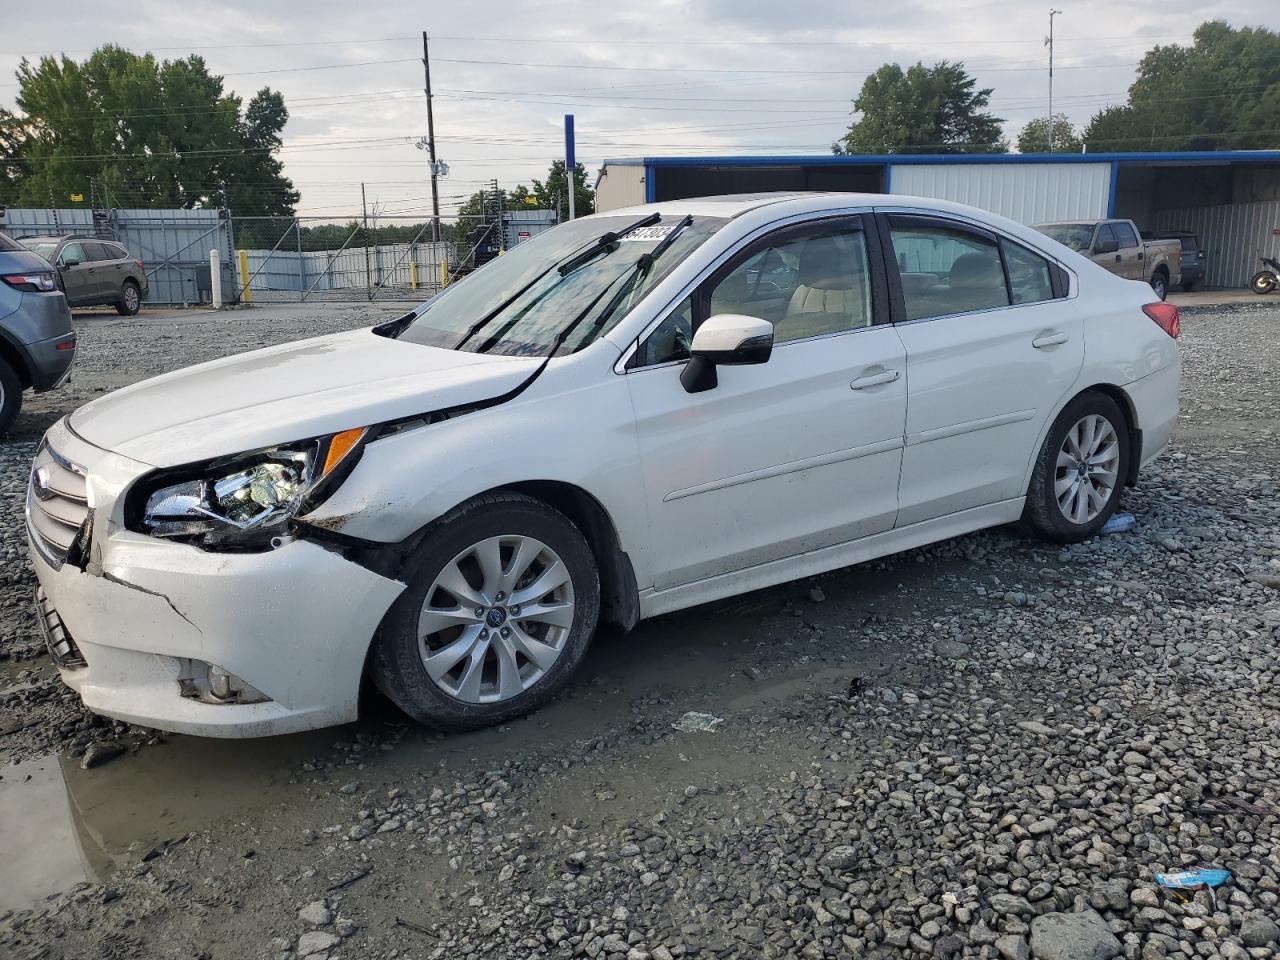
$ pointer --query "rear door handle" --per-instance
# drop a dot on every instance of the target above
(874, 380)
(1049, 340)
(1117, 258)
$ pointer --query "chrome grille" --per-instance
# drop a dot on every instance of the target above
(61, 646)
(57, 505)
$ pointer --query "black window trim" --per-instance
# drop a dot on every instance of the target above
(700, 291)
(1059, 278)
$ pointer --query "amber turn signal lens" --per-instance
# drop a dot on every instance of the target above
(340, 446)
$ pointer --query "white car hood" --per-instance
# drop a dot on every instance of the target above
(290, 392)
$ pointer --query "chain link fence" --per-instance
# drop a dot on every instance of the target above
(289, 258)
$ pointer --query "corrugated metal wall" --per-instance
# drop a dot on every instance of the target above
(620, 185)
(173, 244)
(1233, 235)
(1029, 193)
(387, 267)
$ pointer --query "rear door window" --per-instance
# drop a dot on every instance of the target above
(98, 251)
(1030, 278)
(946, 268)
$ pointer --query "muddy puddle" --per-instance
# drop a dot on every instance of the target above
(60, 825)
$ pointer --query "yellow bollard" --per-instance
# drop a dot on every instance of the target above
(246, 295)
(413, 274)
(444, 274)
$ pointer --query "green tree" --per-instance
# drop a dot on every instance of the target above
(553, 193)
(922, 110)
(1220, 93)
(144, 133)
(1034, 136)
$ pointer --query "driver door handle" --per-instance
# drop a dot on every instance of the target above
(1049, 340)
(874, 380)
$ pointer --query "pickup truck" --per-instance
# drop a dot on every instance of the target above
(1117, 246)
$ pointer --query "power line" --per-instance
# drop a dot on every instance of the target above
(719, 70)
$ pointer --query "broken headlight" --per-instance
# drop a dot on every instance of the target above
(244, 501)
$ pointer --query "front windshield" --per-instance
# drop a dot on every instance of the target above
(1073, 235)
(531, 323)
(42, 249)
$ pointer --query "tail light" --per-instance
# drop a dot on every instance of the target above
(141, 265)
(30, 282)
(1166, 315)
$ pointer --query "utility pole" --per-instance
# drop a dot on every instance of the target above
(368, 268)
(570, 161)
(431, 146)
(1052, 13)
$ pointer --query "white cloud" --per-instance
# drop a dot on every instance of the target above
(501, 119)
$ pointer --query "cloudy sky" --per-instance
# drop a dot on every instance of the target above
(663, 77)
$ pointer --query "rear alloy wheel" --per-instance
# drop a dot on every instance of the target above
(1081, 469)
(130, 299)
(501, 603)
(1160, 284)
(10, 396)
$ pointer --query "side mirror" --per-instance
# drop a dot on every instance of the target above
(1106, 246)
(728, 338)
(66, 264)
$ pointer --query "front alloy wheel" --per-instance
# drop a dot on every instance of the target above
(496, 619)
(501, 599)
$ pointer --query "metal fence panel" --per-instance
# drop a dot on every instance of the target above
(173, 245)
(1233, 236)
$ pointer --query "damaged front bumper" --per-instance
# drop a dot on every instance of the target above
(146, 618)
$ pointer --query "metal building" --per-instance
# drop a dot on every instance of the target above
(1229, 198)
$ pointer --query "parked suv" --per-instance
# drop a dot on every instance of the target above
(1192, 256)
(94, 271)
(37, 341)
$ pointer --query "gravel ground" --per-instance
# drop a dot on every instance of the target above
(984, 748)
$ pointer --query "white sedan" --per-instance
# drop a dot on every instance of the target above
(634, 413)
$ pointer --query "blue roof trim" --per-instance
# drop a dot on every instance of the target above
(1111, 189)
(918, 159)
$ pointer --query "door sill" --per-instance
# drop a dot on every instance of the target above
(655, 602)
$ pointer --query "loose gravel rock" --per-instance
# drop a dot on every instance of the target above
(985, 748)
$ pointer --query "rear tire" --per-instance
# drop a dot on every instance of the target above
(1189, 285)
(1160, 284)
(10, 397)
(1063, 497)
(130, 301)
(1263, 282)
(492, 656)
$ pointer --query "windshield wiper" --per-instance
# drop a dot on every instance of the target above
(576, 260)
(641, 270)
(641, 267)
(573, 263)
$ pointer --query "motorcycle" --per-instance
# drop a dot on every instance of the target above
(1265, 281)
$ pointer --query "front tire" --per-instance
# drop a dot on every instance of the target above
(1080, 471)
(130, 301)
(1263, 282)
(502, 601)
(10, 397)
(1160, 284)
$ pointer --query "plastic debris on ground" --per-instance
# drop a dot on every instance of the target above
(694, 722)
(1119, 523)
(1206, 877)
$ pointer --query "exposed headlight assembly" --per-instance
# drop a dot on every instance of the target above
(245, 501)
